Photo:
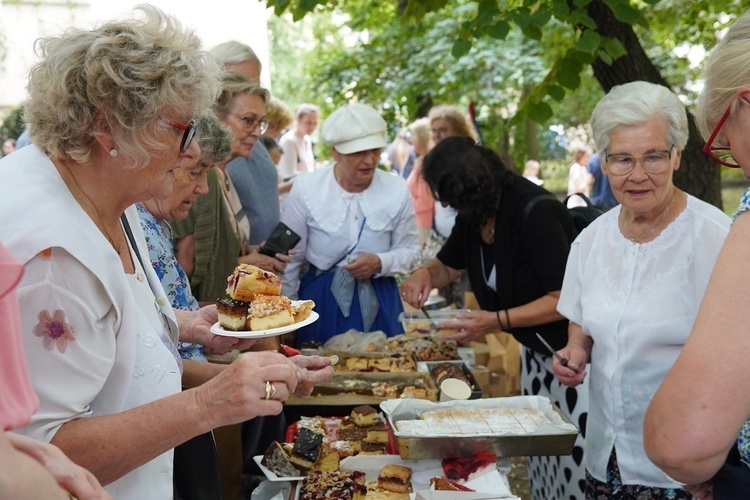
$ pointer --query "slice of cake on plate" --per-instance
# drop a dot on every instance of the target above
(269, 311)
(247, 281)
(394, 477)
(342, 485)
(277, 460)
(232, 314)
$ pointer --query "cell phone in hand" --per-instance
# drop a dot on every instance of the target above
(281, 240)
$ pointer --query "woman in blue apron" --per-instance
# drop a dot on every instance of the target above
(358, 230)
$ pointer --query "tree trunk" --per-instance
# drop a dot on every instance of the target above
(698, 174)
(532, 131)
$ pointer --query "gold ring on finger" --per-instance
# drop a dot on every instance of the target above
(270, 390)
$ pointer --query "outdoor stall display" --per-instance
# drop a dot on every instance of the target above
(368, 440)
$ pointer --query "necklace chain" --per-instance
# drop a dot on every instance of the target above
(642, 237)
(101, 226)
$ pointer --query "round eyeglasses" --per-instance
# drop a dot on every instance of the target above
(654, 162)
(251, 122)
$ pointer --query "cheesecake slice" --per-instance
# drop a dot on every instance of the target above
(269, 311)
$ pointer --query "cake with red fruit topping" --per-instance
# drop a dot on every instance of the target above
(322, 485)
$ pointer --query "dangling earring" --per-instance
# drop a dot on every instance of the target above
(113, 152)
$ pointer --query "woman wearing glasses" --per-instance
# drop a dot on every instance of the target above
(215, 236)
(632, 286)
(711, 432)
(110, 112)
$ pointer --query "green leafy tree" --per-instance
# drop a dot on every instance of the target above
(12, 125)
(449, 46)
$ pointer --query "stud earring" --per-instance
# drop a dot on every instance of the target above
(113, 152)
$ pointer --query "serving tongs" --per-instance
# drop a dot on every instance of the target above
(433, 325)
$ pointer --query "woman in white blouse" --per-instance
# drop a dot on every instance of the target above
(298, 155)
(110, 111)
(358, 229)
(633, 283)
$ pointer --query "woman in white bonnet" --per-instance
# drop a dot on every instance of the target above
(358, 230)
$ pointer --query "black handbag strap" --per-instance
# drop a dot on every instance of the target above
(131, 239)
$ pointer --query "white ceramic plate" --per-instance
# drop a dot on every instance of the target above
(273, 332)
(270, 475)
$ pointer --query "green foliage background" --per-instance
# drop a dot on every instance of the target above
(514, 59)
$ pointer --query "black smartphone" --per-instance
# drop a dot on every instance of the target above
(281, 240)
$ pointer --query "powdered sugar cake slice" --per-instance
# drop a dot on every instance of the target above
(502, 422)
(530, 418)
(474, 426)
(413, 427)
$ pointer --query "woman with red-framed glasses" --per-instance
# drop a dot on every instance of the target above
(697, 427)
(110, 114)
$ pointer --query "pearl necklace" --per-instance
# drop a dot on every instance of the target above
(646, 235)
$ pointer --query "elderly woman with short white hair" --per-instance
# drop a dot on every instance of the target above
(358, 230)
(633, 284)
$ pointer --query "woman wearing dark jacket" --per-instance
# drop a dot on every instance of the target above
(513, 239)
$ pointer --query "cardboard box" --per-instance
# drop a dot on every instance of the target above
(481, 352)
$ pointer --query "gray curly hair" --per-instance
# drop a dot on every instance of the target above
(121, 78)
(214, 138)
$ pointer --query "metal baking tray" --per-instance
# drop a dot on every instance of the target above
(355, 388)
(556, 438)
(344, 356)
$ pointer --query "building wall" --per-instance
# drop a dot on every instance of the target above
(23, 22)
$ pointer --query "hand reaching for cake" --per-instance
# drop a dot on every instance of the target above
(310, 371)
(238, 393)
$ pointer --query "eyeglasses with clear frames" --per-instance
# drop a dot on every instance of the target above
(718, 153)
(655, 162)
(250, 123)
(187, 135)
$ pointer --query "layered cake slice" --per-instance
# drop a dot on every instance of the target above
(269, 311)
(364, 415)
(232, 314)
(306, 449)
(377, 433)
(394, 478)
